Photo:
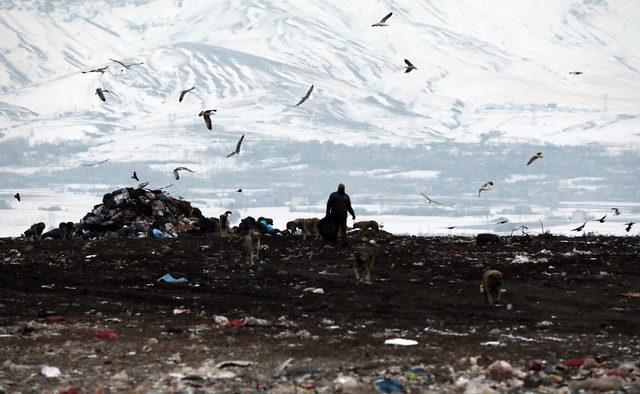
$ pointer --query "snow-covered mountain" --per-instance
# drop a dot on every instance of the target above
(486, 69)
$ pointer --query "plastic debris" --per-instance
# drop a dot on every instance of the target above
(388, 386)
(314, 290)
(233, 363)
(401, 342)
(50, 372)
(170, 279)
(110, 335)
(500, 370)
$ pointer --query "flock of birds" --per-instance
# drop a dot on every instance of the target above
(208, 113)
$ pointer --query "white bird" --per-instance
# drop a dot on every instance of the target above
(429, 200)
(143, 185)
(534, 158)
(486, 187)
(237, 151)
(127, 66)
(206, 114)
(177, 175)
(616, 211)
(383, 20)
(184, 92)
(306, 96)
(100, 70)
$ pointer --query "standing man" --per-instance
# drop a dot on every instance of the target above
(338, 205)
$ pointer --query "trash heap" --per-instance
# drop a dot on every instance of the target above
(139, 213)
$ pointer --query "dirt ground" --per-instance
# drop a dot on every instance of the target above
(564, 300)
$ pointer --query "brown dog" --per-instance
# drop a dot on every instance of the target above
(363, 260)
(252, 247)
(66, 230)
(308, 226)
(492, 286)
(366, 225)
(34, 233)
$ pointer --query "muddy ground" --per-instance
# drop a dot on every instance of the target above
(564, 300)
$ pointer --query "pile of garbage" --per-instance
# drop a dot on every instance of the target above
(139, 213)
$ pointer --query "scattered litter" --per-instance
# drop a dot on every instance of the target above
(233, 363)
(490, 343)
(401, 342)
(170, 279)
(544, 324)
(280, 369)
(314, 290)
(500, 370)
(110, 335)
(632, 294)
(388, 386)
(50, 372)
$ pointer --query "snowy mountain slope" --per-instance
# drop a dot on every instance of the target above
(486, 69)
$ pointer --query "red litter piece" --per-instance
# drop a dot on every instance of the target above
(237, 323)
(574, 362)
(106, 335)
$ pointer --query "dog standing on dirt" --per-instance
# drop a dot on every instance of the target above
(224, 224)
(366, 225)
(492, 286)
(34, 233)
(66, 230)
(252, 247)
(363, 260)
(308, 226)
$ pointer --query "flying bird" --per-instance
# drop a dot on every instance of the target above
(306, 96)
(616, 211)
(97, 70)
(451, 227)
(383, 20)
(601, 220)
(143, 185)
(206, 114)
(239, 191)
(100, 92)
(486, 187)
(127, 66)
(237, 151)
(184, 92)
(579, 228)
(17, 196)
(629, 226)
(429, 200)
(576, 72)
(410, 67)
(95, 164)
(534, 158)
(135, 176)
(177, 175)
(502, 221)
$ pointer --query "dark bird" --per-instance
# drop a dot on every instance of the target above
(97, 70)
(629, 226)
(177, 175)
(100, 92)
(451, 227)
(306, 96)
(579, 228)
(502, 221)
(616, 211)
(576, 72)
(127, 66)
(601, 220)
(95, 164)
(206, 114)
(135, 176)
(410, 67)
(17, 196)
(239, 191)
(237, 151)
(383, 20)
(486, 187)
(184, 92)
(534, 158)
(429, 200)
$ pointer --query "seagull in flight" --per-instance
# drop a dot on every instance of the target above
(616, 211)
(534, 158)
(306, 96)
(579, 228)
(97, 70)
(177, 175)
(143, 185)
(100, 92)
(576, 72)
(237, 151)
(486, 187)
(95, 164)
(503, 221)
(135, 176)
(410, 66)
(239, 190)
(17, 196)
(629, 226)
(184, 92)
(601, 220)
(127, 66)
(383, 21)
(429, 200)
(206, 114)
(451, 227)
